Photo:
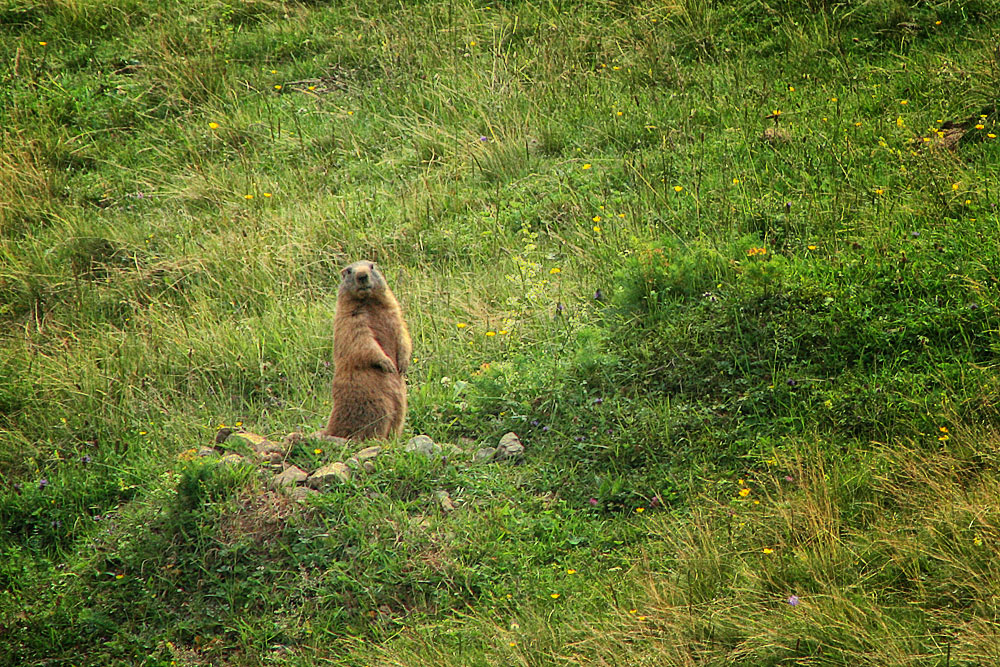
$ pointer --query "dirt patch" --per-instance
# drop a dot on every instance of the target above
(259, 517)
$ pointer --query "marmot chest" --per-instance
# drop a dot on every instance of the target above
(363, 322)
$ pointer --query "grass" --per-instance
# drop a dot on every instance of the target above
(728, 269)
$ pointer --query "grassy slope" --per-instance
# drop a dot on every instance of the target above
(181, 182)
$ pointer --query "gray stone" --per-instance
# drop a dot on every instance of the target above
(271, 457)
(449, 449)
(207, 451)
(289, 477)
(233, 459)
(422, 444)
(328, 475)
(484, 455)
(257, 443)
(444, 499)
(368, 453)
(300, 493)
(510, 449)
(368, 466)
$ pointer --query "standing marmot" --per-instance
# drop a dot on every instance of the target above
(371, 351)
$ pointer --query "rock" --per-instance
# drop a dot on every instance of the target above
(300, 493)
(232, 459)
(328, 475)
(449, 449)
(484, 455)
(292, 439)
(257, 443)
(207, 451)
(271, 457)
(422, 444)
(368, 466)
(291, 476)
(444, 499)
(222, 434)
(368, 453)
(509, 449)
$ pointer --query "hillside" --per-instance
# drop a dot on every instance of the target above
(730, 271)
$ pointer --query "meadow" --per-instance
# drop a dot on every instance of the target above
(730, 269)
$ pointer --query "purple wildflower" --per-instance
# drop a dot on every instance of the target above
(793, 600)
(593, 502)
(42, 483)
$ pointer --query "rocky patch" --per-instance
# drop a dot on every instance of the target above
(300, 484)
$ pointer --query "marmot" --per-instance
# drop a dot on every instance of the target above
(371, 352)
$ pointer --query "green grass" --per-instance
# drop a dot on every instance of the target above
(718, 329)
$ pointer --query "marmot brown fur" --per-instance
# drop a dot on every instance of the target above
(371, 352)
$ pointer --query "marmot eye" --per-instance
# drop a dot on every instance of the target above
(348, 271)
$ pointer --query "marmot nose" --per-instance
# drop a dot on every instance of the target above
(362, 278)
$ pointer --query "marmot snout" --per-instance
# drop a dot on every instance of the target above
(361, 278)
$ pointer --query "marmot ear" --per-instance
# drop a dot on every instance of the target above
(346, 272)
(371, 266)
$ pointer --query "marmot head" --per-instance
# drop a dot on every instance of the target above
(362, 280)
